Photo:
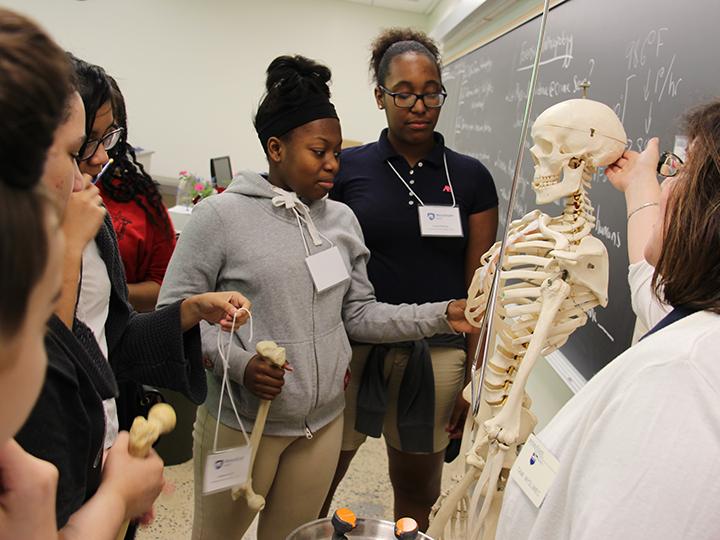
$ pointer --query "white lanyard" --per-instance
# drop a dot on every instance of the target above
(447, 175)
(225, 356)
(230, 466)
(326, 267)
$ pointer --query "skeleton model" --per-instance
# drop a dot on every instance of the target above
(554, 271)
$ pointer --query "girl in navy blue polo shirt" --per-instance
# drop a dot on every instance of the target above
(427, 214)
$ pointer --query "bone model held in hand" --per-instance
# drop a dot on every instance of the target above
(275, 355)
(553, 272)
(144, 433)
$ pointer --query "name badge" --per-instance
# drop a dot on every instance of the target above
(327, 268)
(226, 469)
(440, 221)
(534, 470)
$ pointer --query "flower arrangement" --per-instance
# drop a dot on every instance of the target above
(192, 189)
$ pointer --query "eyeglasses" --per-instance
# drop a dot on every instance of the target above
(669, 164)
(407, 100)
(108, 141)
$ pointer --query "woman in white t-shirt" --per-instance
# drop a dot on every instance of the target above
(637, 447)
(635, 175)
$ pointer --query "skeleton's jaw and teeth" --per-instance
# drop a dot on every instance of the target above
(553, 187)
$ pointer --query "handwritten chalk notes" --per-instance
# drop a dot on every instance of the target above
(653, 75)
(649, 60)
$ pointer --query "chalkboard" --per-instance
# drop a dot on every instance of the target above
(650, 60)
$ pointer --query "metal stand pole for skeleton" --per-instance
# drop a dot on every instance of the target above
(487, 325)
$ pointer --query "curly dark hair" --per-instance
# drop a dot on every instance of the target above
(395, 41)
(130, 181)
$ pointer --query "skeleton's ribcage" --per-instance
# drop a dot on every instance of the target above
(527, 265)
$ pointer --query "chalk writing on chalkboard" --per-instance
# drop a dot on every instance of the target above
(652, 75)
(642, 60)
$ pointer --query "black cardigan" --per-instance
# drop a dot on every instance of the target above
(147, 348)
(67, 425)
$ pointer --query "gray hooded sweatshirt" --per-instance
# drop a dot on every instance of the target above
(239, 240)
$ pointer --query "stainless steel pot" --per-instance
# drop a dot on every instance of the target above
(366, 529)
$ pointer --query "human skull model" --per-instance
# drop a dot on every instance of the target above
(570, 137)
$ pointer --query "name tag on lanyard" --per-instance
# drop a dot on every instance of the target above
(226, 469)
(534, 470)
(327, 268)
(440, 221)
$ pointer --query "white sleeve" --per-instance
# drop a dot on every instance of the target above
(648, 467)
(648, 309)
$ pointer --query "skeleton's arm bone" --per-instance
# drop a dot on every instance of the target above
(505, 426)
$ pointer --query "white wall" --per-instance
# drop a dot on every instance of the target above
(192, 71)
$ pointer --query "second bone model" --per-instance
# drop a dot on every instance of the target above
(554, 272)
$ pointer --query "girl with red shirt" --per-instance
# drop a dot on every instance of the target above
(144, 231)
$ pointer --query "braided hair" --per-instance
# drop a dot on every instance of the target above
(395, 42)
(130, 181)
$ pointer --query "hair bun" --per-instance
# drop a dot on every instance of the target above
(409, 40)
(288, 74)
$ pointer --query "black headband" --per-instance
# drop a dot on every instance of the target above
(287, 119)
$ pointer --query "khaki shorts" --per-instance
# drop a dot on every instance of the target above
(449, 372)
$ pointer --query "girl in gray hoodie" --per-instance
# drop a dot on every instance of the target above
(301, 259)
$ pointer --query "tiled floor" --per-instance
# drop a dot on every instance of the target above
(365, 489)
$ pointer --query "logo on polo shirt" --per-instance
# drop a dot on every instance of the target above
(446, 189)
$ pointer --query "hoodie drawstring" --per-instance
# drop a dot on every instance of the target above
(290, 200)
